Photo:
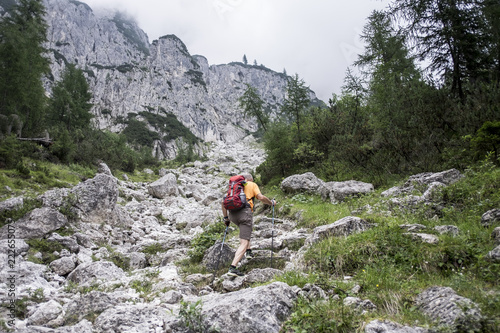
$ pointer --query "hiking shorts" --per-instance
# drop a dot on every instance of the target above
(244, 220)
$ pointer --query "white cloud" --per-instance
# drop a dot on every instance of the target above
(317, 39)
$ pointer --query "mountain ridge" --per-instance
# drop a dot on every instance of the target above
(127, 75)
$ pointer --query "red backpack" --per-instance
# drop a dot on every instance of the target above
(235, 198)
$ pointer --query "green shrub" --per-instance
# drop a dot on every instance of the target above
(317, 316)
(46, 248)
(154, 248)
(191, 317)
(203, 241)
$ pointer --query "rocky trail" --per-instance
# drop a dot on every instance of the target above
(150, 226)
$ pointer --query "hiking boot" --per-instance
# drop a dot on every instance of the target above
(233, 271)
(249, 254)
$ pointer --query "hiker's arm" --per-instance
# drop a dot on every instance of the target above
(224, 210)
(265, 199)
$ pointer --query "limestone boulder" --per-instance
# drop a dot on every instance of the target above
(446, 307)
(306, 182)
(163, 187)
(343, 227)
(491, 217)
(254, 310)
(37, 223)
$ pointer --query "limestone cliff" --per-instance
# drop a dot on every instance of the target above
(128, 76)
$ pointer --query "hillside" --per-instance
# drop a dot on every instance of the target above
(112, 254)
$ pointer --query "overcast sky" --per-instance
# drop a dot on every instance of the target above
(316, 39)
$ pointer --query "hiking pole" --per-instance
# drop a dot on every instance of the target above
(272, 238)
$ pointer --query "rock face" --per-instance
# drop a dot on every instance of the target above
(443, 305)
(379, 326)
(37, 223)
(335, 191)
(218, 256)
(257, 310)
(491, 217)
(92, 272)
(128, 74)
(163, 187)
(342, 227)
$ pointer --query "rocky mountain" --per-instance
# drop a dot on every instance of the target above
(104, 255)
(131, 77)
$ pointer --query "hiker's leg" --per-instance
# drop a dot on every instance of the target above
(240, 252)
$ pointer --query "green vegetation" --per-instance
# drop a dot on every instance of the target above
(251, 102)
(46, 248)
(64, 119)
(170, 125)
(191, 317)
(390, 267)
(154, 249)
(203, 241)
(22, 304)
(393, 120)
(23, 63)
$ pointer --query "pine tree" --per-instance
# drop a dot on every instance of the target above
(23, 64)
(296, 101)
(245, 61)
(251, 102)
(70, 105)
(452, 34)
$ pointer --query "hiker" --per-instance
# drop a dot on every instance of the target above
(243, 218)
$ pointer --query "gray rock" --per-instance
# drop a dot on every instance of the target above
(138, 260)
(103, 168)
(443, 305)
(359, 304)
(379, 326)
(413, 227)
(94, 302)
(63, 266)
(218, 255)
(312, 292)
(428, 183)
(496, 235)
(133, 318)
(199, 278)
(163, 187)
(306, 182)
(259, 275)
(87, 273)
(491, 217)
(256, 310)
(171, 297)
(45, 312)
(343, 227)
(494, 255)
(19, 246)
(11, 204)
(426, 238)
(68, 242)
(446, 177)
(447, 229)
(339, 191)
(95, 200)
(36, 223)
(85, 241)
(433, 190)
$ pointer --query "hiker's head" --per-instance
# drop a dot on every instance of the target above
(248, 177)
